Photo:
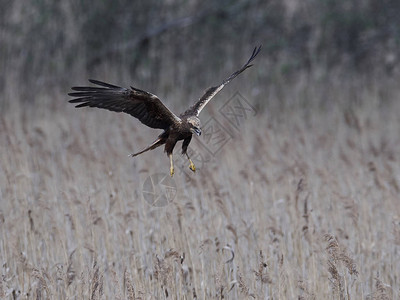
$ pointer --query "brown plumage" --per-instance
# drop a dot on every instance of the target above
(149, 109)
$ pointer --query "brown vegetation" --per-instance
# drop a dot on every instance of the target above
(301, 203)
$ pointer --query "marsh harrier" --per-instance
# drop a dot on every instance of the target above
(149, 109)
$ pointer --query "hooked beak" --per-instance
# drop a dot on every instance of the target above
(197, 131)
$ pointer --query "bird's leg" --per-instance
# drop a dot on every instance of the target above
(169, 148)
(191, 166)
(185, 145)
(171, 169)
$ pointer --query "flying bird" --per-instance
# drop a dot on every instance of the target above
(149, 109)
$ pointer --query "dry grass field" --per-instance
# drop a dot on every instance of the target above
(301, 203)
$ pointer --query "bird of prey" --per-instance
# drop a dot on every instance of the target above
(149, 109)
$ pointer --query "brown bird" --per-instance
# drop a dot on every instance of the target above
(149, 109)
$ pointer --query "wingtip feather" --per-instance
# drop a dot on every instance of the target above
(75, 101)
(81, 105)
(255, 53)
(102, 83)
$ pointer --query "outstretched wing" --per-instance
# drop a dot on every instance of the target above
(211, 92)
(142, 105)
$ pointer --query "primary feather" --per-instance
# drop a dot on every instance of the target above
(141, 104)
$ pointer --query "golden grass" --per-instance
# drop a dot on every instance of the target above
(301, 204)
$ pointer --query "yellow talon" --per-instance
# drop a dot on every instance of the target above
(171, 171)
(192, 166)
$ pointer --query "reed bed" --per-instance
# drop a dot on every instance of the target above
(301, 203)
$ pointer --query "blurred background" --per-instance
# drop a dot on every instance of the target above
(305, 194)
(176, 47)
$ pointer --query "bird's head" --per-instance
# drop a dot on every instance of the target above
(194, 124)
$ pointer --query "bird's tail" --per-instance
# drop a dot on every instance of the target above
(158, 142)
